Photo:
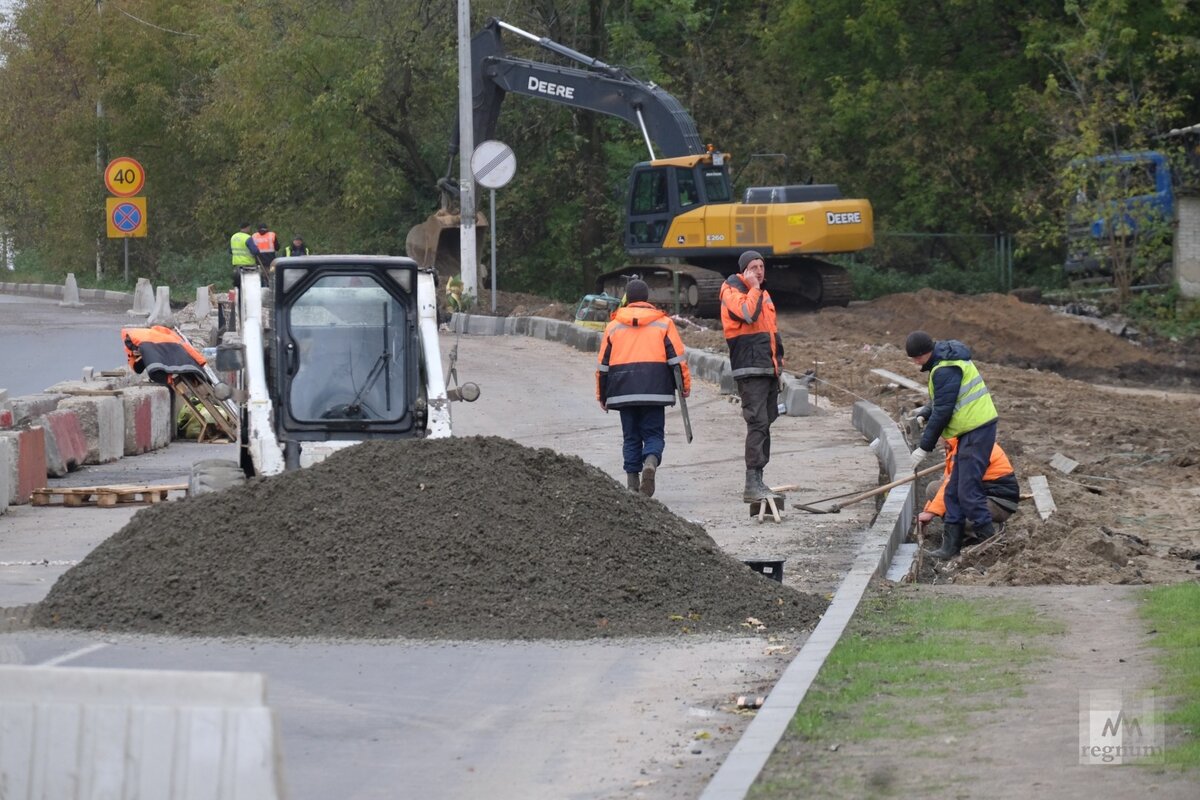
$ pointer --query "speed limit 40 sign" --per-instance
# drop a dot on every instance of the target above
(124, 177)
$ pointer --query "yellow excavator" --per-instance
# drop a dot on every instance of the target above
(684, 230)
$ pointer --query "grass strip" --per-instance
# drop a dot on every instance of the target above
(1174, 614)
(901, 646)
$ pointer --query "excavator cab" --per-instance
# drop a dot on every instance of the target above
(660, 191)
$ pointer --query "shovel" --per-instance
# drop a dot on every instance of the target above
(836, 507)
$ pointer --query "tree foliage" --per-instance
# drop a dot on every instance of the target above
(332, 119)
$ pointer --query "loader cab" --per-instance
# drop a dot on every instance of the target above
(347, 353)
(663, 189)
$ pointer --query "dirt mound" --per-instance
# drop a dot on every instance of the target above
(999, 329)
(466, 538)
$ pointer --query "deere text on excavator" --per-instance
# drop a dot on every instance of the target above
(683, 226)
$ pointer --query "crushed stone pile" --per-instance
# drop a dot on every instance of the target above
(469, 538)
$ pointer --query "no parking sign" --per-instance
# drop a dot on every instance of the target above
(125, 217)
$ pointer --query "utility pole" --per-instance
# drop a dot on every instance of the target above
(99, 127)
(466, 140)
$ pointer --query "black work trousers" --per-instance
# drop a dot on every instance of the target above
(760, 407)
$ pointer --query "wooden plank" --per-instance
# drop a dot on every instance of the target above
(1063, 464)
(1041, 496)
(907, 383)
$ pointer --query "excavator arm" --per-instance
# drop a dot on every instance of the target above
(596, 86)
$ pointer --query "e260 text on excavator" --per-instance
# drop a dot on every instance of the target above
(683, 227)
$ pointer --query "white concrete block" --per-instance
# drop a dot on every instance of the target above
(126, 734)
(71, 292)
(161, 314)
(143, 298)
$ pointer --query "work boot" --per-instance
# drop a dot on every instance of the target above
(633, 481)
(985, 532)
(952, 536)
(648, 468)
(766, 488)
(755, 489)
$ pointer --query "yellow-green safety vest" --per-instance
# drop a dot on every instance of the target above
(242, 257)
(974, 406)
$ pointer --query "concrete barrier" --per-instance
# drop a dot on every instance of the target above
(161, 314)
(143, 298)
(66, 446)
(31, 406)
(7, 462)
(147, 411)
(70, 296)
(126, 734)
(28, 468)
(102, 419)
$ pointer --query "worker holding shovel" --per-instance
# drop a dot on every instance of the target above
(962, 408)
(640, 353)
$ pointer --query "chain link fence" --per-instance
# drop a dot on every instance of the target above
(965, 263)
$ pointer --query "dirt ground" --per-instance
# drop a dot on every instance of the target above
(1126, 409)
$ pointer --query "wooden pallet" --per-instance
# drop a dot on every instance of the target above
(104, 496)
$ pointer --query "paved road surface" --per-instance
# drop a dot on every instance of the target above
(635, 718)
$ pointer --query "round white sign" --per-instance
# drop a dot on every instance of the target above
(493, 164)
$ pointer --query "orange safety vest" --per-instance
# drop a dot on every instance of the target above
(638, 354)
(748, 319)
(998, 466)
(265, 242)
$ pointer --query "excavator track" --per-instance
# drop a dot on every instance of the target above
(799, 284)
(699, 288)
(808, 283)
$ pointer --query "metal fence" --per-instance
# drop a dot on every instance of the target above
(959, 262)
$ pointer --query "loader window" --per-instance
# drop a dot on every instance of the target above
(349, 358)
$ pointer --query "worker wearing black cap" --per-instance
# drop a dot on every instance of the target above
(635, 374)
(962, 407)
(267, 243)
(756, 358)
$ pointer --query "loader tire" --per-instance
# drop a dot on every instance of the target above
(214, 475)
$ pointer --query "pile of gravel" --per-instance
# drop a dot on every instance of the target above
(463, 538)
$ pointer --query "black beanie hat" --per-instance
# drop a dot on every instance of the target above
(636, 291)
(746, 257)
(918, 343)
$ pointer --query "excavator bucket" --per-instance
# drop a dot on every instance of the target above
(436, 243)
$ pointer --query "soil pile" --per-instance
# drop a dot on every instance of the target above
(466, 538)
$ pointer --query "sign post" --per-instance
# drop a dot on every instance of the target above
(493, 164)
(125, 213)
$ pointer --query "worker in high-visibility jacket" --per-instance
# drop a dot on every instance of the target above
(962, 408)
(242, 250)
(297, 248)
(639, 353)
(756, 358)
(999, 484)
(267, 243)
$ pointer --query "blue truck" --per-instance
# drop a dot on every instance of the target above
(1124, 206)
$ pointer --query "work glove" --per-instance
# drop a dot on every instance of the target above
(920, 454)
(919, 413)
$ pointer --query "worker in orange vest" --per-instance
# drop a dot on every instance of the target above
(267, 243)
(999, 485)
(635, 374)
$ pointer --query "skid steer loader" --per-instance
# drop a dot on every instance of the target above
(328, 351)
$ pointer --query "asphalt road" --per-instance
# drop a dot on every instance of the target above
(647, 718)
(42, 343)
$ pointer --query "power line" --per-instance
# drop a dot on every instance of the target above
(149, 24)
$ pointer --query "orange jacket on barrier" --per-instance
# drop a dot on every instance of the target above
(638, 353)
(998, 467)
(160, 352)
(748, 319)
